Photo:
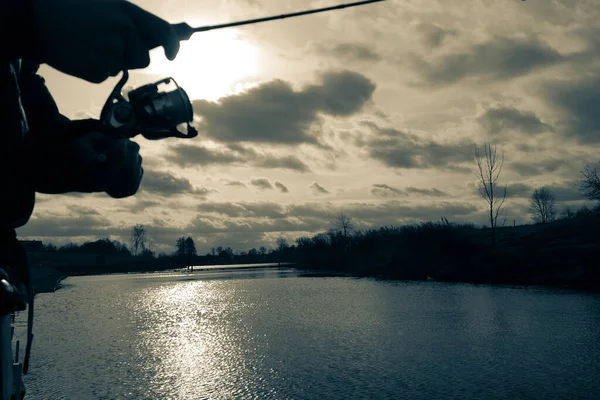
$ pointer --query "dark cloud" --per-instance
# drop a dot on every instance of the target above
(351, 52)
(577, 101)
(281, 187)
(516, 190)
(507, 119)
(563, 191)
(142, 205)
(235, 183)
(68, 226)
(318, 189)
(187, 155)
(427, 192)
(497, 59)
(398, 149)
(288, 162)
(566, 191)
(433, 34)
(275, 113)
(261, 183)
(382, 190)
(165, 184)
(539, 167)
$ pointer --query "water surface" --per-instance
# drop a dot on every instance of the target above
(272, 333)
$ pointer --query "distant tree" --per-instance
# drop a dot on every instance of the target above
(344, 224)
(489, 167)
(69, 248)
(542, 205)
(190, 247)
(282, 244)
(138, 239)
(253, 252)
(50, 248)
(567, 213)
(147, 253)
(583, 212)
(589, 185)
(180, 245)
(262, 250)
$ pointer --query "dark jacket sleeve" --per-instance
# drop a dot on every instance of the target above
(49, 136)
(47, 126)
(16, 20)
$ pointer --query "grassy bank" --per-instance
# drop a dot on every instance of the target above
(561, 253)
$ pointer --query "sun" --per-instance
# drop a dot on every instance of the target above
(209, 65)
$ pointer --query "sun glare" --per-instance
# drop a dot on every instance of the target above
(210, 65)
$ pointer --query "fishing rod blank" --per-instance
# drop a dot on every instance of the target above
(184, 31)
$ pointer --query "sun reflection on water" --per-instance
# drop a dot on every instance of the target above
(184, 330)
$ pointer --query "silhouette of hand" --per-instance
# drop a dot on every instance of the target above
(92, 163)
(96, 39)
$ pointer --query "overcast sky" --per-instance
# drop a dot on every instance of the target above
(374, 111)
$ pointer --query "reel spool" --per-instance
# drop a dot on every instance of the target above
(149, 112)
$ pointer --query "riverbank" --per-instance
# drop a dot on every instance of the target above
(559, 254)
(46, 279)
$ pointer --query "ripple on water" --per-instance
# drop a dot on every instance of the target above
(281, 336)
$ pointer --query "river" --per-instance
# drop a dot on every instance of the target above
(280, 333)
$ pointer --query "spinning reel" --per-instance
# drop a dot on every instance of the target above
(153, 114)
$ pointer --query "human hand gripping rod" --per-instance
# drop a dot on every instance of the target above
(156, 115)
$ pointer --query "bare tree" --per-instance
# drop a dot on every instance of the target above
(138, 239)
(344, 224)
(589, 185)
(542, 205)
(489, 167)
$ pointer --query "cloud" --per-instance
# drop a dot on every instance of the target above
(577, 101)
(427, 192)
(234, 183)
(244, 209)
(382, 190)
(516, 190)
(350, 52)
(68, 226)
(164, 183)
(82, 210)
(562, 191)
(261, 183)
(538, 167)
(399, 149)
(275, 113)
(433, 35)
(507, 119)
(497, 59)
(288, 162)
(281, 187)
(188, 155)
(318, 189)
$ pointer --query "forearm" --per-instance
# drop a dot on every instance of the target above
(16, 19)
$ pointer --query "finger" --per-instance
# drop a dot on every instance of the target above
(154, 30)
(136, 53)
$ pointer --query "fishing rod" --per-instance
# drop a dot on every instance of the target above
(156, 115)
(184, 31)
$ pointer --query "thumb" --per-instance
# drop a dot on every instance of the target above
(153, 30)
